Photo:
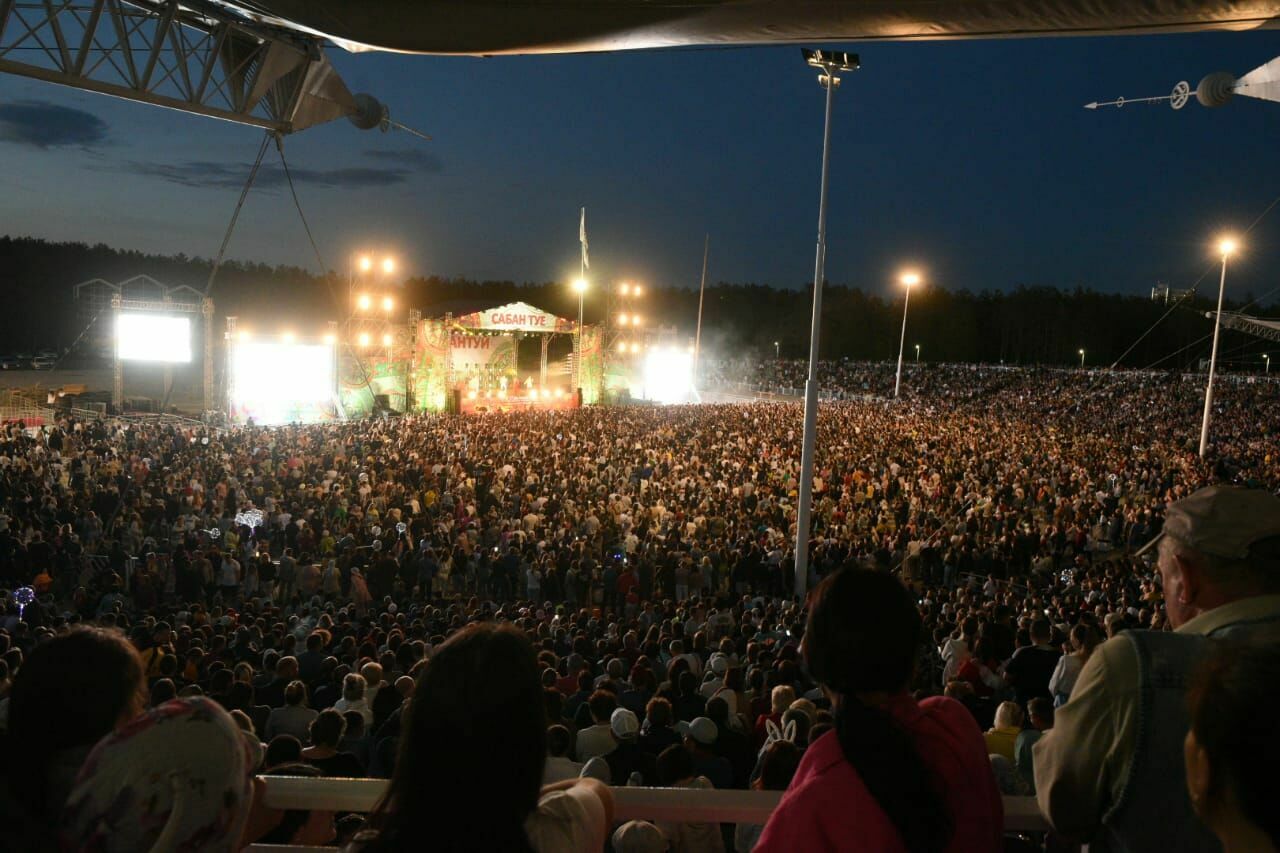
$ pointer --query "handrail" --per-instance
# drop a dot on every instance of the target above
(683, 805)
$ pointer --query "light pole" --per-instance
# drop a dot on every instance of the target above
(1267, 359)
(777, 350)
(1226, 246)
(1081, 357)
(579, 287)
(828, 63)
(917, 353)
(909, 280)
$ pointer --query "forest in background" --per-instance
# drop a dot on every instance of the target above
(1023, 325)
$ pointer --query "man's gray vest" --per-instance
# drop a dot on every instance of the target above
(1154, 811)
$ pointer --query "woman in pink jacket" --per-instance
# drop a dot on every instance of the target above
(895, 774)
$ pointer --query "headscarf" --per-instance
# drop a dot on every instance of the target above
(177, 778)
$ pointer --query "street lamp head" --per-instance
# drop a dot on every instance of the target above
(910, 279)
(388, 265)
(1227, 246)
(1080, 352)
(579, 285)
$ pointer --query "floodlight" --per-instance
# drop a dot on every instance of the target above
(363, 302)
(1227, 245)
(364, 339)
(388, 303)
(388, 265)
(386, 340)
(910, 279)
(366, 263)
(579, 285)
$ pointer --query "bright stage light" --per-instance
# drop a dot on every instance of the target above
(388, 265)
(635, 347)
(637, 291)
(622, 346)
(364, 302)
(559, 393)
(330, 339)
(579, 285)
(624, 288)
(244, 335)
(386, 340)
(388, 303)
(472, 394)
(280, 383)
(287, 337)
(366, 263)
(636, 320)
(153, 337)
(668, 376)
(364, 339)
(622, 319)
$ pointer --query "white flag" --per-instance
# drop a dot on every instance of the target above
(582, 238)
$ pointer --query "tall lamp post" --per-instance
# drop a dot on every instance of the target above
(917, 353)
(1267, 359)
(777, 349)
(1226, 246)
(909, 280)
(579, 287)
(1081, 357)
(829, 63)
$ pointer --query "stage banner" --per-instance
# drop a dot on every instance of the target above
(516, 317)
(477, 353)
(592, 375)
(373, 371)
(431, 367)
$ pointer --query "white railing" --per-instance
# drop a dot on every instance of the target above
(657, 804)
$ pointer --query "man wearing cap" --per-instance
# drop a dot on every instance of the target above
(700, 740)
(628, 763)
(1110, 771)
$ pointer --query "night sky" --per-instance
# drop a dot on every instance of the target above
(973, 160)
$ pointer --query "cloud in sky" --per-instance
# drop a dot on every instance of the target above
(40, 124)
(392, 167)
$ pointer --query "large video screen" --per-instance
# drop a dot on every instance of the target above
(153, 337)
(276, 383)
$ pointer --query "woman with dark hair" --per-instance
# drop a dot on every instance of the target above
(468, 776)
(1233, 746)
(895, 774)
(71, 692)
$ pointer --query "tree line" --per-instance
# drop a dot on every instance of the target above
(1026, 324)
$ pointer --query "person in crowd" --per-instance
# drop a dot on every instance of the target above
(1003, 735)
(628, 763)
(327, 731)
(1218, 556)
(179, 777)
(1040, 712)
(657, 733)
(700, 741)
(353, 697)
(639, 836)
(895, 774)
(1231, 749)
(1084, 639)
(460, 728)
(294, 718)
(676, 770)
(597, 739)
(778, 764)
(560, 766)
(1031, 667)
(71, 691)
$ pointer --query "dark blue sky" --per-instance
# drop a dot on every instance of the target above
(973, 160)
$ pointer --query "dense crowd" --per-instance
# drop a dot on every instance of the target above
(305, 578)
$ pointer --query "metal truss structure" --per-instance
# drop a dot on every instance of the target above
(191, 55)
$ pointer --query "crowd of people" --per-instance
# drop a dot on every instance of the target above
(524, 609)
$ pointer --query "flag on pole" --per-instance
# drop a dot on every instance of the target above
(582, 238)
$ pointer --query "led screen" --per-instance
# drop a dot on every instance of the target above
(281, 383)
(667, 376)
(153, 337)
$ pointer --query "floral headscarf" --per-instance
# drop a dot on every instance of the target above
(178, 778)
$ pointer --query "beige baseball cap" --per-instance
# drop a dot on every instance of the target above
(1221, 520)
